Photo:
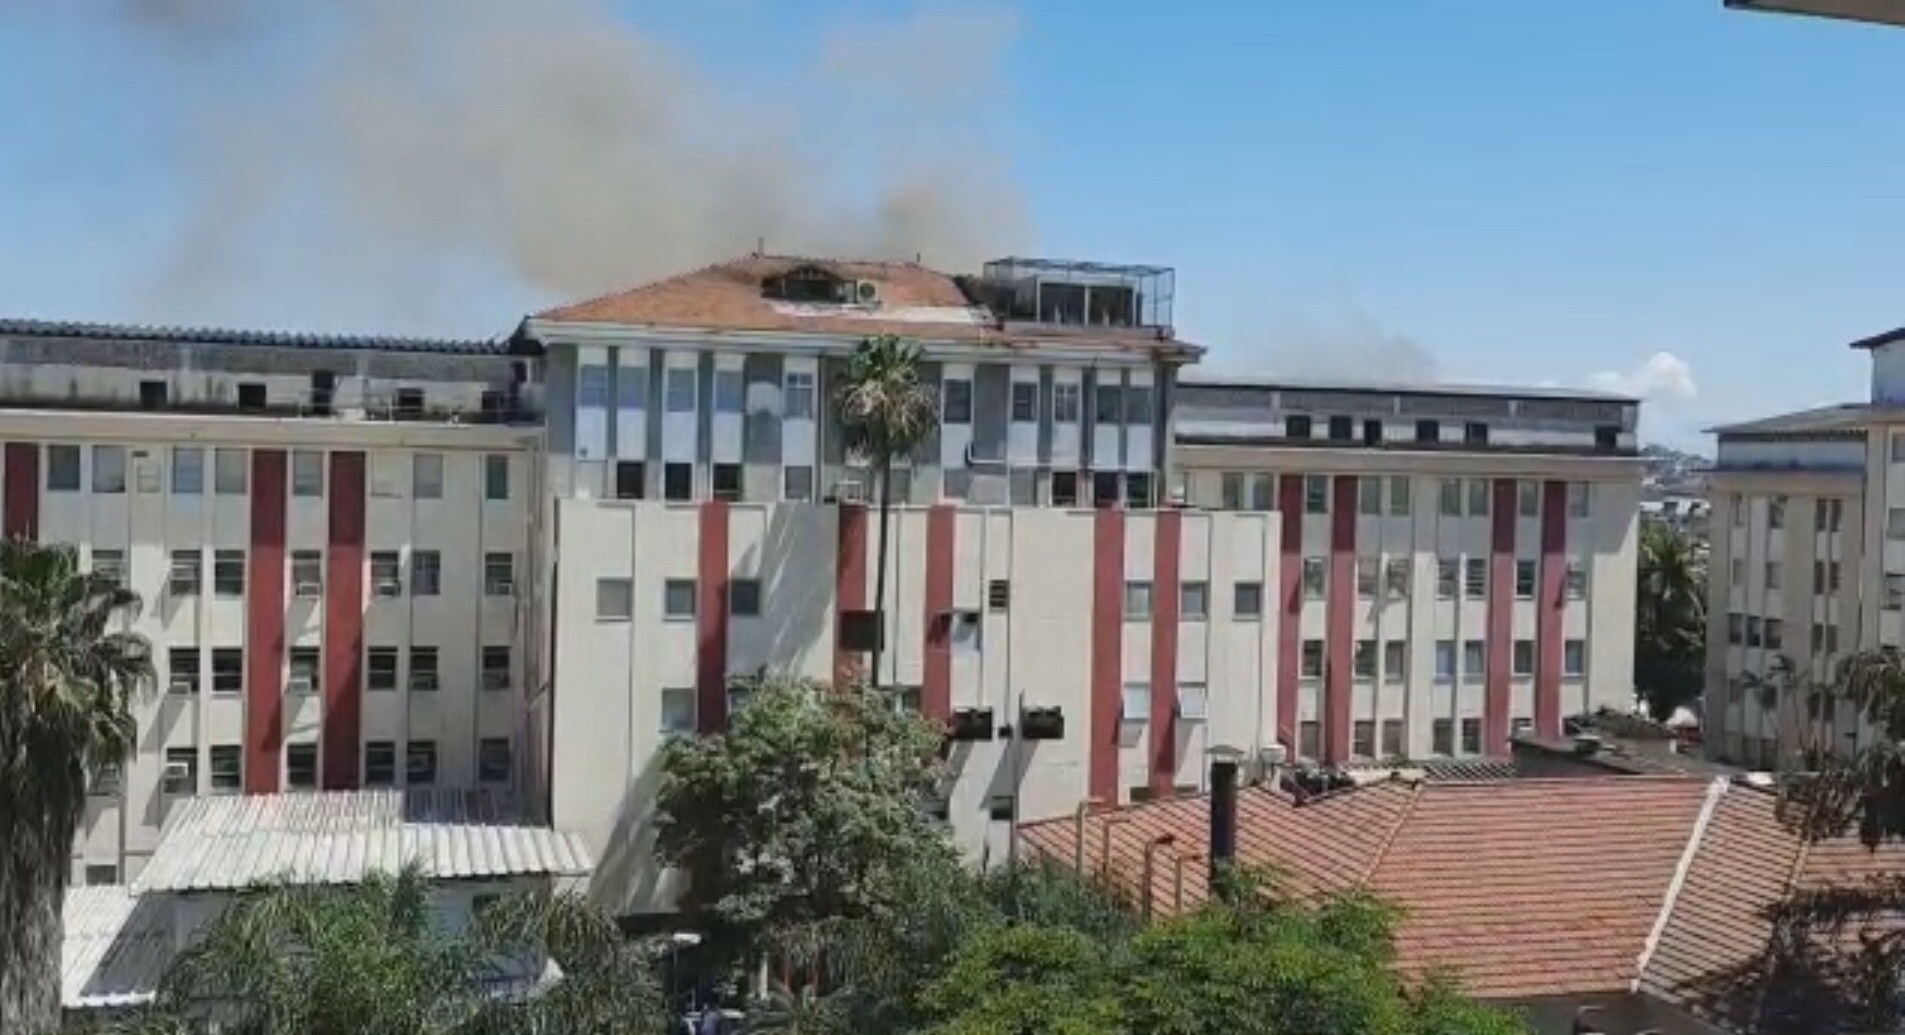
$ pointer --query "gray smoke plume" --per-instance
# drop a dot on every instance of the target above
(1350, 346)
(399, 152)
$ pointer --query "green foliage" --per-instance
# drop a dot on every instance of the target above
(1670, 615)
(807, 809)
(885, 408)
(370, 960)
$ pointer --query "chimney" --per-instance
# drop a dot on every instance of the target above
(1223, 817)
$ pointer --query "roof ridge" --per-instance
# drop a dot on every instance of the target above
(543, 314)
(1389, 836)
(1716, 790)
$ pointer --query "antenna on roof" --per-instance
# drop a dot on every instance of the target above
(760, 247)
(919, 258)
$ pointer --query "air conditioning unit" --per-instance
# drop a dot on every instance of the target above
(502, 588)
(389, 588)
(182, 685)
(848, 492)
(309, 589)
(423, 680)
(863, 292)
(298, 685)
(495, 680)
(177, 778)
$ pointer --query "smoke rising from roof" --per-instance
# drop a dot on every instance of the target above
(390, 156)
(1349, 346)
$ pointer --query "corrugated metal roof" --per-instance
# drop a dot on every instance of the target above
(27, 328)
(214, 843)
(116, 946)
(1194, 379)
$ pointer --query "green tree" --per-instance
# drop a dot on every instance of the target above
(806, 810)
(886, 411)
(372, 959)
(71, 674)
(1670, 615)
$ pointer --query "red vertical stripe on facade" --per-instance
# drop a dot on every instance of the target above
(936, 693)
(1166, 557)
(850, 583)
(1340, 636)
(1107, 652)
(711, 618)
(1501, 626)
(22, 489)
(1289, 603)
(344, 623)
(264, 624)
(1550, 609)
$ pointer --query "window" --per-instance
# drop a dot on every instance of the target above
(1775, 634)
(380, 668)
(1230, 487)
(492, 758)
(1449, 498)
(1473, 664)
(228, 573)
(1895, 523)
(1308, 739)
(1372, 433)
(426, 573)
(797, 398)
(797, 483)
(1137, 489)
(251, 395)
(730, 392)
(1364, 660)
(1576, 579)
(1477, 498)
(102, 874)
(1263, 492)
(1107, 404)
(1310, 663)
(109, 469)
(1395, 661)
(1471, 736)
(1752, 631)
(1573, 658)
(1396, 578)
(62, 468)
(1736, 629)
(744, 598)
(188, 471)
(420, 763)
(499, 574)
(228, 670)
(1523, 658)
(386, 573)
(1832, 576)
(1296, 426)
(307, 573)
(1894, 592)
(1025, 402)
(307, 473)
(1524, 580)
(228, 774)
(496, 669)
(380, 763)
(426, 476)
(725, 483)
(677, 481)
(1137, 404)
(998, 595)
(678, 599)
(678, 390)
(1446, 569)
(423, 669)
(1342, 429)
(1475, 578)
(1193, 601)
(181, 771)
(614, 600)
(956, 401)
(1065, 403)
(1398, 495)
(187, 572)
(1442, 737)
(1776, 512)
(1445, 661)
(1428, 431)
(1475, 433)
(1247, 599)
(1368, 571)
(1835, 514)
(1135, 705)
(1137, 601)
(301, 767)
(1316, 494)
(495, 476)
(1314, 583)
(305, 669)
(1369, 496)
(1363, 739)
(1578, 499)
(181, 666)
(1064, 488)
(229, 472)
(1773, 570)
(678, 709)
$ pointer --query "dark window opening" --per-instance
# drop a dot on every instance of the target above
(1607, 438)
(1297, 426)
(1475, 433)
(678, 481)
(251, 395)
(1137, 489)
(1104, 488)
(629, 482)
(152, 395)
(409, 403)
(859, 630)
(727, 482)
(1064, 488)
(494, 405)
(1342, 429)
(323, 392)
(1428, 431)
(1372, 433)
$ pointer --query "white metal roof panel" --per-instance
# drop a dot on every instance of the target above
(116, 946)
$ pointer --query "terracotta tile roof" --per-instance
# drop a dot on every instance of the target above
(914, 302)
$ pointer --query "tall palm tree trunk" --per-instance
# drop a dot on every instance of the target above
(33, 871)
(879, 565)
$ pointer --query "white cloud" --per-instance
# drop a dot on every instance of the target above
(1661, 376)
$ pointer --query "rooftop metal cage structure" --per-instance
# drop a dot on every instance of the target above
(1067, 293)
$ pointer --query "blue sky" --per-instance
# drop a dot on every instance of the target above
(1502, 190)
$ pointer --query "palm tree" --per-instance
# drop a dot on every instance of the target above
(885, 412)
(68, 675)
(1670, 620)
